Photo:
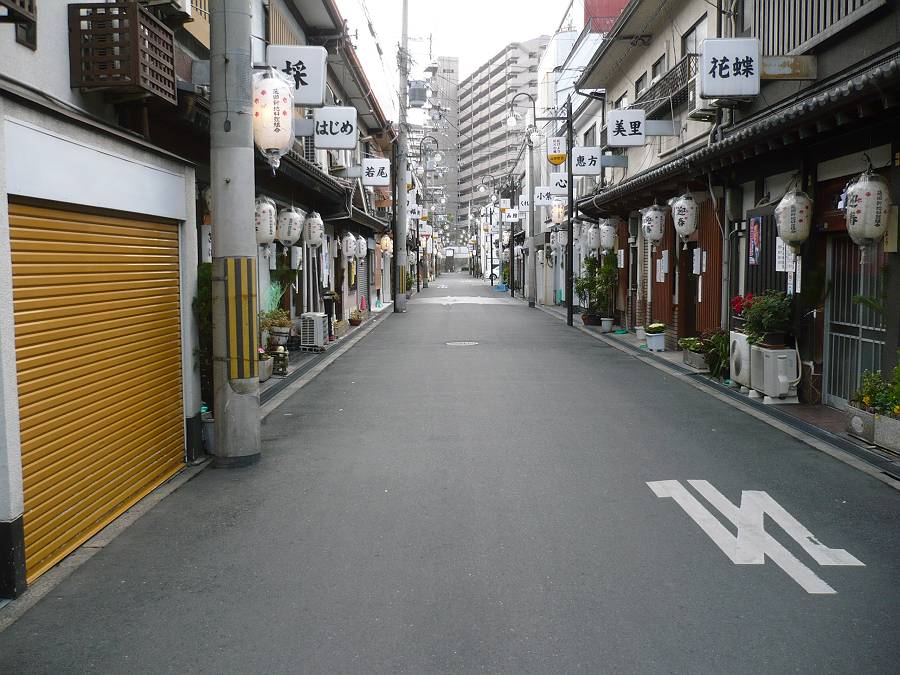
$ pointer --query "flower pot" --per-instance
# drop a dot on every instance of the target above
(280, 334)
(695, 360)
(773, 340)
(640, 333)
(861, 424)
(590, 319)
(265, 369)
(887, 433)
(355, 322)
(606, 325)
(656, 342)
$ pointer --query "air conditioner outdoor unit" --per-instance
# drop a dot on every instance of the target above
(740, 358)
(313, 329)
(773, 372)
(698, 108)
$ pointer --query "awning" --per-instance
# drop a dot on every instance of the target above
(358, 221)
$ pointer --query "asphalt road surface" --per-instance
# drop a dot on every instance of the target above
(537, 502)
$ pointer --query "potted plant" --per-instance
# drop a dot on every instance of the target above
(739, 305)
(874, 415)
(656, 337)
(356, 317)
(265, 365)
(718, 352)
(595, 288)
(279, 325)
(767, 319)
(694, 352)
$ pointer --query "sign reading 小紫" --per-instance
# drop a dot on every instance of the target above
(626, 128)
(305, 67)
(559, 183)
(376, 171)
(729, 67)
(543, 195)
(556, 150)
(335, 128)
(586, 161)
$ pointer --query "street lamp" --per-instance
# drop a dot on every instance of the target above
(423, 171)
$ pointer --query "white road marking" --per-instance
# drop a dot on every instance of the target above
(465, 300)
(752, 543)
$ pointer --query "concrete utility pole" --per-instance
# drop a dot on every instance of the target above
(532, 227)
(400, 172)
(570, 250)
(235, 323)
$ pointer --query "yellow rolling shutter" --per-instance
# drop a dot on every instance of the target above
(98, 354)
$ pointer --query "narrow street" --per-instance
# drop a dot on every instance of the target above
(497, 517)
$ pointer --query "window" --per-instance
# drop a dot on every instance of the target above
(690, 42)
(449, 70)
(621, 102)
(659, 68)
(640, 85)
(590, 136)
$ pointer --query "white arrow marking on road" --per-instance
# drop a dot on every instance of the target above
(752, 543)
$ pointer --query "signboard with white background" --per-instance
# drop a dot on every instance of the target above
(305, 68)
(376, 171)
(543, 195)
(523, 202)
(586, 161)
(335, 128)
(729, 67)
(559, 183)
(625, 128)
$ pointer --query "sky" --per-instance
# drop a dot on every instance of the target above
(473, 30)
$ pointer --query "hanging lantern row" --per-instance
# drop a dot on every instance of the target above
(652, 222)
(607, 236)
(685, 214)
(361, 248)
(348, 246)
(313, 229)
(266, 221)
(793, 216)
(868, 209)
(273, 110)
(289, 226)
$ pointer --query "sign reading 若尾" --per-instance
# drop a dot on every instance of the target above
(559, 183)
(305, 67)
(335, 128)
(626, 128)
(543, 195)
(586, 161)
(556, 150)
(729, 67)
(376, 171)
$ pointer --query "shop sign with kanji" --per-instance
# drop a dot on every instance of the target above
(543, 195)
(559, 183)
(556, 149)
(335, 128)
(305, 67)
(376, 171)
(511, 216)
(523, 203)
(626, 128)
(729, 67)
(585, 161)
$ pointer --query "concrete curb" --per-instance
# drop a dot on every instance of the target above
(812, 441)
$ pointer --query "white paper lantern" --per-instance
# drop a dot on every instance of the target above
(519, 252)
(593, 238)
(313, 229)
(652, 223)
(868, 208)
(273, 110)
(607, 236)
(563, 237)
(554, 240)
(685, 214)
(265, 221)
(290, 225)
(793, 216)
(387, 244)
(361, 248)
(557, 211)
(348, 246)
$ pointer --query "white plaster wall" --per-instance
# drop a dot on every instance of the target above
(188, 270)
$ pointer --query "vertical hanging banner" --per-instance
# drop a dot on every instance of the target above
(376, 171)
(559, 183)
(335, 128)
(556, 150)
(305, 67)
(729, 67)
(626, 128)
(586, 161)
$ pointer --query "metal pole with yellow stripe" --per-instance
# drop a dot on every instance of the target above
(235, 322)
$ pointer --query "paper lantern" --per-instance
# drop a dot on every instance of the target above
(652, 223)
(312, 229)
(266, 221)
(273, 115)
(348, 246)
(593, 237)
(557, 211)
(387, 244)
(290, 225)
(563, 238)
(519, 252)
(793, 216)
(868, 208)
(607, 236)
(361, 248)
(685, 214)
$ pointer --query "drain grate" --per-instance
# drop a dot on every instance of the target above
(461, 343)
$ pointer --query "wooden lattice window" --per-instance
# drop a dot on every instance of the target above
(23, 13)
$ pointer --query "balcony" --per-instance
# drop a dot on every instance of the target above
(122, 49)
(670, 91)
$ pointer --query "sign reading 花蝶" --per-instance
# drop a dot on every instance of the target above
(543, 195)
(586, 161)
(376, 171)
(556, 150)
(335, 128)
(559, 183)
(626, 128)
(729, 67)
(305, 67)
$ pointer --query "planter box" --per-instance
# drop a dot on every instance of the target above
(656, 342)
(861, 424)
(265, 369)
(887, 433)
(590, 319)
(280, 335)
(695, 360)
(606, 325)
